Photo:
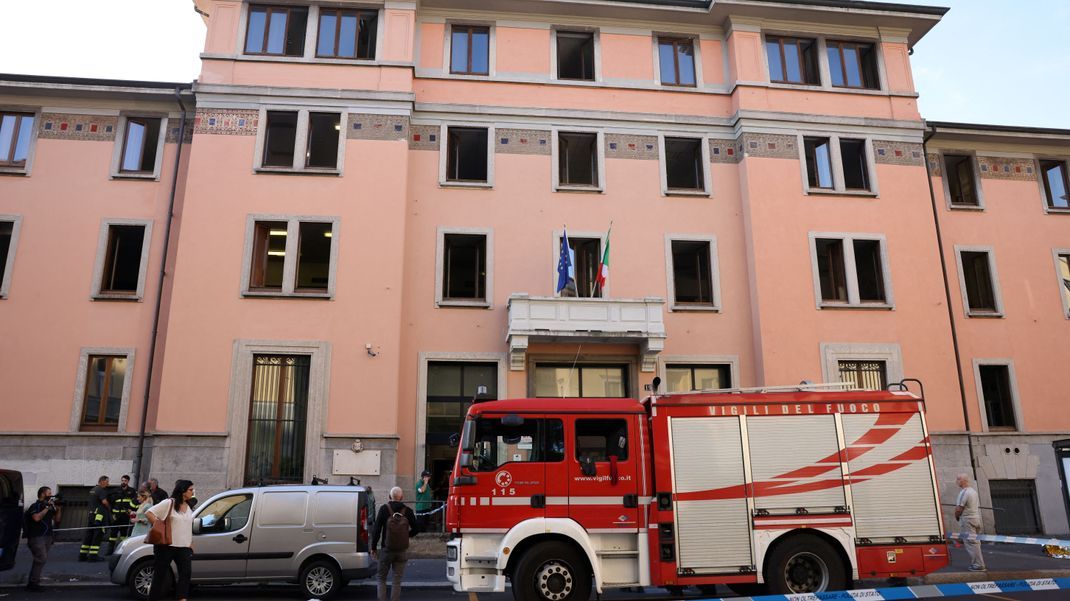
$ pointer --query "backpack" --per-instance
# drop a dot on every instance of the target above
(397, 531)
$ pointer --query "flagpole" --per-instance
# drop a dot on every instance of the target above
(599, 275)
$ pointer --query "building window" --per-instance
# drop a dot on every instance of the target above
(591, 381)
(684, 165)
(103, 395)
(837, 164)
(16, 133)
(978, 276)
(1056, 184)
(7, 234)
(577, 159)
(961, 181)
(466, 154)
(275, 448)
(469, 50)
(997, 396)
(676, 61)
(853, 65)
(291, 257)
(792, 60)
(692, 273)
(684, 378)
(140, 144)
(1062, 262)
(850, 271)
(285, 132)
(464, 269)
(123, 260)
(586, 257)
(347, 33)
(866, 375)
(276, 30)
(575, 55)
(451, 389)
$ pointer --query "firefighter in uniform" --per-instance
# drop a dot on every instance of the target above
(123, 500)
(96, 522)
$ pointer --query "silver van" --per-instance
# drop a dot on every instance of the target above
(316, 536)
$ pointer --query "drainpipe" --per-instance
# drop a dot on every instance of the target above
(138, 459)
(947, 297)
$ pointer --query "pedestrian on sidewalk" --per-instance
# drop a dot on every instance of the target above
(394, 525)
(42, 518)
(96, 521)
(179, 514)
(158, 495)
(424, 500)
(968, 514)
(144, 500)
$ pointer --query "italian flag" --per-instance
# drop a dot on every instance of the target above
(603, 267)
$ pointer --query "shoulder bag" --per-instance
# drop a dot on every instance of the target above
(160, 533)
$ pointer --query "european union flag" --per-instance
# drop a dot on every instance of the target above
(564, 263)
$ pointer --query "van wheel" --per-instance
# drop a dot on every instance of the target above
(321, 580)
(552, 571)
(139, 579)
(805, 564)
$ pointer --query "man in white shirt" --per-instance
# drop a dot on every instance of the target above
(967, 512)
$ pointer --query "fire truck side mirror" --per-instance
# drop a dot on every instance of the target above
(588, 467)
(657, 384)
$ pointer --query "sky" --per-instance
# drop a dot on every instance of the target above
(988, 61)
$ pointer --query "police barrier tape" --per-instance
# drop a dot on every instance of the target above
(920, 592)
(999, 538)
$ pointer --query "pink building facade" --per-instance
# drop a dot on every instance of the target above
(368, 220)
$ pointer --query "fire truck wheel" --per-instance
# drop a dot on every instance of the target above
(551, 571)
(804, 564)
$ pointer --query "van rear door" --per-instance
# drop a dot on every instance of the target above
(10, 517)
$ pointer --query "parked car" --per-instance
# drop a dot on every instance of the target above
(10, 517)
(316, 536)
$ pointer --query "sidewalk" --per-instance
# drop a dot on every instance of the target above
(1005, 562)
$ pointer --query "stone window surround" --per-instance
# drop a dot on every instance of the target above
(834, 352)
(311, 38)
(697, 51)
(836, 159)
(1015, 396)
(556, 255)
(1041, 183)
(289, 275)
(715, 273)
(425, 357)
(976, 180)
(80, 384)
(443, 154)
(241, 381)
(823, 69)
(301, 141)
(5, 282)
(492, 47)
(997, 295)
(663, 160)
(120, 141)
(101, 258)
(440, 256)
(554, 29)
(28, 167)
(732, 361)
(851, 271)
(1055, 254)
(600, 148)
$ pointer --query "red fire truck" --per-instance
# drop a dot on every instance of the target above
(790, 491)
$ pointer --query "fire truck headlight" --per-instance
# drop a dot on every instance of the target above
(451, 553)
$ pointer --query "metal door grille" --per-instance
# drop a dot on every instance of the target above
(1015, 502)
(277, 416)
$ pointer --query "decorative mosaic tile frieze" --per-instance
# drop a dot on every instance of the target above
(936, 168)
(620, 146)
(423, 137)
(771, 146)
(227, 122)
(1003, 168)
(724, 151)
(173, 128)
(522, 141)
(67, 126)
(377, 127)
(898, 153)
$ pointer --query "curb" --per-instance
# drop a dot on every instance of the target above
(961, 577)
(428, 584)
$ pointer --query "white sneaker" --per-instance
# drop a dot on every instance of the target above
(977, 568)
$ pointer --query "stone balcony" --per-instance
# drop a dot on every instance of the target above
(578, 320)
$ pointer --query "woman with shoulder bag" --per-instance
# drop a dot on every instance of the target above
(171, 536)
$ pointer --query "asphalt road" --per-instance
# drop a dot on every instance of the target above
(282, 593)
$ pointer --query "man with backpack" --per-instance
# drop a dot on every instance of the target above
(394, 525)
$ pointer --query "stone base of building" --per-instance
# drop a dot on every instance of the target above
(1013, 471)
